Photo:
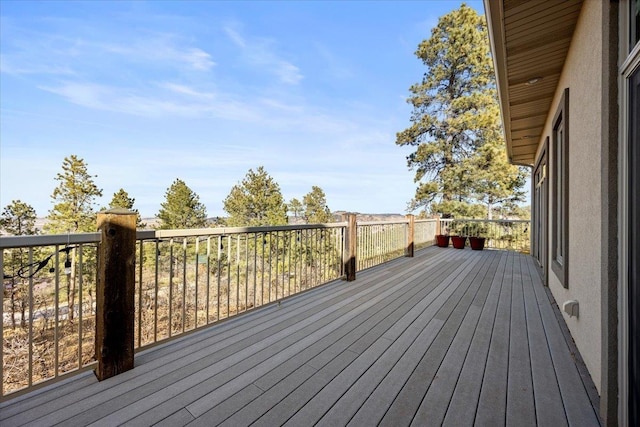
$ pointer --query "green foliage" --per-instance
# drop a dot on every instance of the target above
(256, 201)
(519, 212)
(458, 209)
(181, 208)
(73, 198)
(496, 182)
(455, 114)
(295, 207)
(18, 218)
(315, 207)
(468, 228)
(121, 199)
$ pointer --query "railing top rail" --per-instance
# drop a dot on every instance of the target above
(382, 222)
(7, 242)
(427, 220)
(219, 231)
(483, 220)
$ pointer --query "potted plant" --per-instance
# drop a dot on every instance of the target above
(476, 243)
(458, 241)
(442, 240)
(476, 239)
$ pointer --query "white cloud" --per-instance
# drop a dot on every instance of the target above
(162, 48)
(186, 90)
(336, 67)
(155, 105)
(17, 66)
(235, 37)
(288, 73)
(260, 52)
(199, 59)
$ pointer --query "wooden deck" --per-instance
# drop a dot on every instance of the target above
(453, 337)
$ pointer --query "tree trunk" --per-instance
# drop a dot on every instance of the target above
(23, 311)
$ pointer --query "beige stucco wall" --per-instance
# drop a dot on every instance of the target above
(582, 75)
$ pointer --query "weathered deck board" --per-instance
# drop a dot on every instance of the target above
(520, 401)
(545, 383)
(464, 402)
(448, 337)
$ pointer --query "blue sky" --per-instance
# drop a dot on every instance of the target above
(147, 92)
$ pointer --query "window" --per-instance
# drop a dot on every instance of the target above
(540, 210)
(628, 296)
(560, 185)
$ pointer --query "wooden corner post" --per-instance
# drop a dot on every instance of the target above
(115, 306)
(410, 236)
(350, 247)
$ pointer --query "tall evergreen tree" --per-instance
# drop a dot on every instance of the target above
(295, 207)
(17, 219)
(454, 114)
(74, 199)
(121, 199)
(496, 182)
(182, 208)
(316, 210)
(256, 201)
(73, 212)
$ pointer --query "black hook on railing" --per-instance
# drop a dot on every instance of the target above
(23, 272)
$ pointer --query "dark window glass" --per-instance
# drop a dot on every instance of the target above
(560, 186)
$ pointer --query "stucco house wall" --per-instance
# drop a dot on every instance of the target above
(582, 74)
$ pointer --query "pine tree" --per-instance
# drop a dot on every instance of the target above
(454, 114)
(496, 182)
(182, 208)
(256, 201)
(295, 207)
(17, 219)
(74, 199)
(121, 199)
(315, 208)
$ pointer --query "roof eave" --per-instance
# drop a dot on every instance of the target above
(493, 12)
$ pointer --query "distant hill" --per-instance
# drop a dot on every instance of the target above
(152, 222)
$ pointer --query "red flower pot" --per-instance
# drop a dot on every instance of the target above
(477, 243)
(458, 241)
(442, 240)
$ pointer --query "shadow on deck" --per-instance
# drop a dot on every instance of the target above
(448, 337)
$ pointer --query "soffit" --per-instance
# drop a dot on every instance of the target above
(530, 40)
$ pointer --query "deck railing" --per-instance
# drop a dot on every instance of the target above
(379, 242)
(424, 232)
(500, 234)
(184, 280)
(48, 309)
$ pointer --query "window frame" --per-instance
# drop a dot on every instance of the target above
(629, 54)
(560, 191)
(540, 213)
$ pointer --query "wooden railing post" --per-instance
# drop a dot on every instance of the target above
(410, 236)
(350, 247)
(115, 306)
(438, 225)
